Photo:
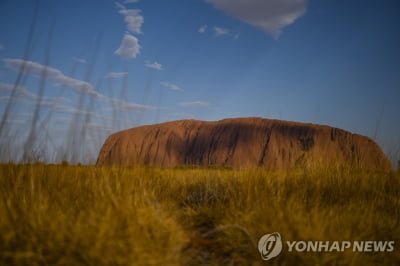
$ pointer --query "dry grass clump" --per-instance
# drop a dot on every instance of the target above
(83, 215)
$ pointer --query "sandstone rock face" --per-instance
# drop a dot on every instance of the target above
(241, 143)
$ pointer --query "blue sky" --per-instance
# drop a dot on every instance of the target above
(118, 64)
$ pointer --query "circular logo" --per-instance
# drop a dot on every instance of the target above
(270, 245)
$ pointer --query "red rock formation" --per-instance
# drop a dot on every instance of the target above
(241, 143)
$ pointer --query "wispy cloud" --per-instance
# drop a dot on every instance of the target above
(19, 118)
(129, 47)
(203, 29)
(111, 119)
(154, 65)
(221, 31)
(115, 75)
(21, 115)
(13, 100)
(16, 122)
(119, 5)
(67, 120)
(22, 91)
(79, 60)
(62, 120)
(19, 89)
(194, 104)
(1, 46)
(130, 1)
(183, 115)
(49, 102)
(170, 86)
(45, 102)
(98, 126)
(73, 111)
(133, 19)
(270, 16)
(121, 105)
(59, 79)
(52, 74)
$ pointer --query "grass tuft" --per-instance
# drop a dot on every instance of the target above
(83, 215)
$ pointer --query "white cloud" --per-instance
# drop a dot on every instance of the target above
(269, 15)
(59, 79)
(154, 65)
(1, 46)
(121, 105)
(79, 60)
(130, 1)
(19, 89)
(133, 19)
(55, 75)
(129, 47)
(73, 111)
(221, 31)
(171, 86)
(111, 119)
(49, 102)
(28, 97)
(135, 107)
(119, 5)
(203, 28)
(115, 75)
(183, 115)
(98, 126)
(194, 104)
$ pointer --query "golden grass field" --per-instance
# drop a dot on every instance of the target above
(87, 215)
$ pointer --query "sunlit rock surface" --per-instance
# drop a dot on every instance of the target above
(242, 143)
